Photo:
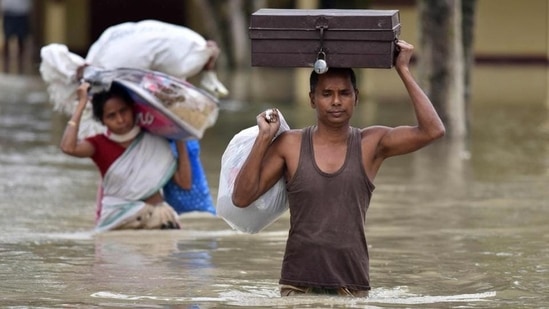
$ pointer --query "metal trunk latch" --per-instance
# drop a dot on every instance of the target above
(321, 66)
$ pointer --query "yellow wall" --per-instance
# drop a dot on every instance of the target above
(502, 27)
(78, 19)
(66, 22)
(54, 22)
(511, 27)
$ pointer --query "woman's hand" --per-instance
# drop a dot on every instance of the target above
(82, 91)
(183, 174)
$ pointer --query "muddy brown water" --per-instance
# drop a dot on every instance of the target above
(458, 224)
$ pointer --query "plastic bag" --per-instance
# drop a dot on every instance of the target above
(198, 198)
(268, 207)
(165, 106)
(58, 70)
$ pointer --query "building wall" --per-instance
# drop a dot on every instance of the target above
(65, 22)
(507, 32)
(78, 23)
(508, 29)
(512, 29)
(511, 50)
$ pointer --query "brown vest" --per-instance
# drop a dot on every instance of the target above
(326, 246)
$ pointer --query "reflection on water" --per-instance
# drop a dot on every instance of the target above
(458, 224)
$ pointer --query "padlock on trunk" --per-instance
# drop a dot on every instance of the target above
(321, 66)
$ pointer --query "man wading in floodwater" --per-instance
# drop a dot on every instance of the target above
(329, 170)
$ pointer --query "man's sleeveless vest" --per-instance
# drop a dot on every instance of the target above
(326, 246)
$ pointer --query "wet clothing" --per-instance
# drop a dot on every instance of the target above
(326, 246)
(290, 290)
(106, 152)
(151, 217)
(144, 167)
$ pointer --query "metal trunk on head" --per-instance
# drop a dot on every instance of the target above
(341, 38)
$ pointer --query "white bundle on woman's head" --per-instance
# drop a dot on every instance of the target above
(58, 70)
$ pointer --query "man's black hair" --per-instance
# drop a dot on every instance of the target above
(313, 79)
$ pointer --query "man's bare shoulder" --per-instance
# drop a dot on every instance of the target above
(289, 137)
(292, 132)
(374, 131)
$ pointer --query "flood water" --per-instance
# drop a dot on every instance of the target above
(455, 225)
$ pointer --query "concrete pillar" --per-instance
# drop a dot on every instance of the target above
(55, 22)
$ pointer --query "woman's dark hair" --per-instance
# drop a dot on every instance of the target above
(99, 99)
(313, 79)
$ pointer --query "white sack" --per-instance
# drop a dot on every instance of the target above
(58, 70)
(151, 45)
(268, 207)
